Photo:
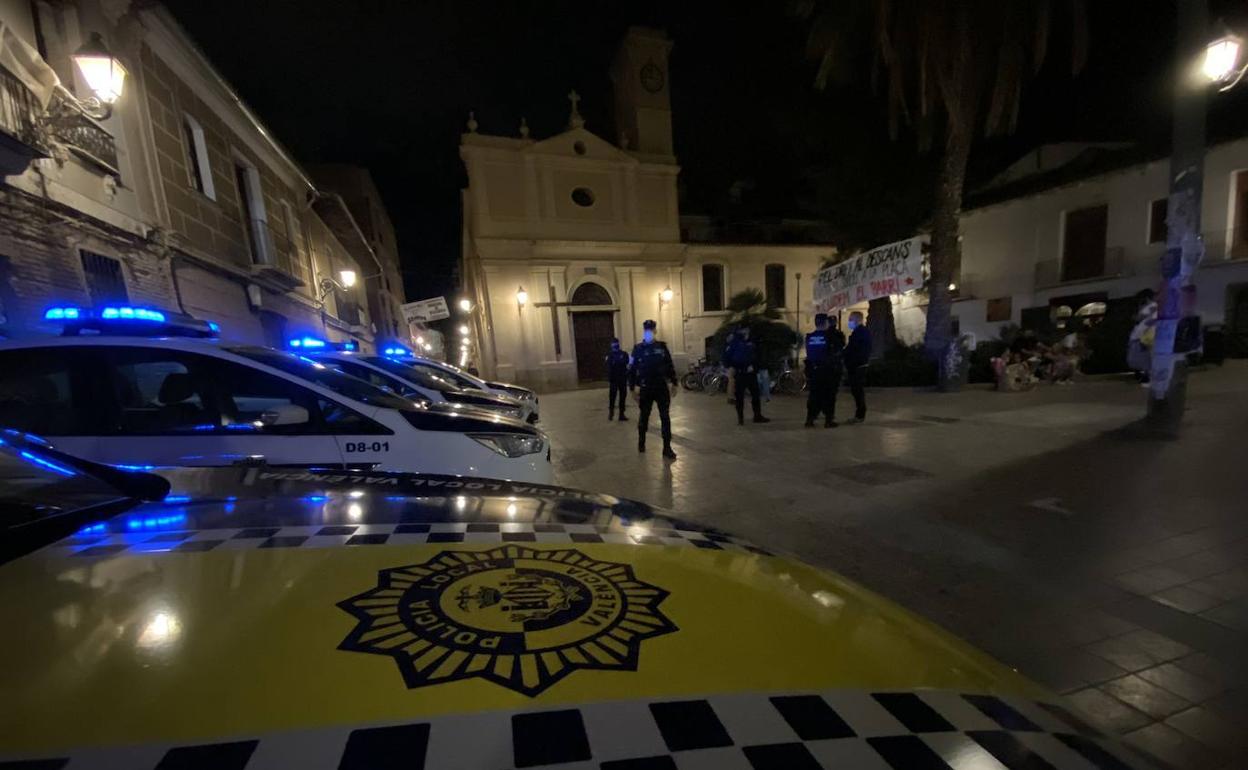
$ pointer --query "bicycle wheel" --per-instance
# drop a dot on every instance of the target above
(691, 381)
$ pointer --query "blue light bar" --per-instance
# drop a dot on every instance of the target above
(62, 314)
(347, 347)
(177, 499)
(307, 343)
(213, 326)
(127, 313)
(36, 460)
(396, 350)
(156, 522)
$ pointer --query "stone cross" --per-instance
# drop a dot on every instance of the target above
(574, 119)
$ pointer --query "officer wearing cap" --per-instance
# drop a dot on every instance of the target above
(651, 372)
(824, 348)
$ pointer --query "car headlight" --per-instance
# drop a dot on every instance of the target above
(510, 444)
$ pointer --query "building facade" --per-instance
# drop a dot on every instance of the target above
(571, 240)
(1073, 230)
(179, 199)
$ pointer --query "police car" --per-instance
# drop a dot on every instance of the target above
(463, 379)
(268, 618)
(139, 386)
(396, 375)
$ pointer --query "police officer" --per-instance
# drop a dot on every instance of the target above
(824, 347)
(617, 378)
(652, 371)
(742, 357)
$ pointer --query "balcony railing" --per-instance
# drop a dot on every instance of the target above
(1049, 272)
(273, 256)
(81, 134)
(18, 109)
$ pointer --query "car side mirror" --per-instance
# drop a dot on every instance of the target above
(285, 414)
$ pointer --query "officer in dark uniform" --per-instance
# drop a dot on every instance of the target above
(824, 348)
(742, 357)
(652, 371)
(617, 378)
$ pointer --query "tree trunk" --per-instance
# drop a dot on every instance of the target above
(881, 325)
(944, 254)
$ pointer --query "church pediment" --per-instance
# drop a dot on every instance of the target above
(579, 143)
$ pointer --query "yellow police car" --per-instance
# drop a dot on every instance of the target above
(267, 618)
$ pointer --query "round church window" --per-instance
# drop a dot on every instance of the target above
(578, 147)
(583, 196)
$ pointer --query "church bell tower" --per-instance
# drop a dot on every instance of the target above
(643, 106)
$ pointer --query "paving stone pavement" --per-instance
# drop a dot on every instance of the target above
(1039, 526)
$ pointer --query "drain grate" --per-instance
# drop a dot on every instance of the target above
(879, 473)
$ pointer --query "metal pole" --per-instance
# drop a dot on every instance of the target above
(1176, 298)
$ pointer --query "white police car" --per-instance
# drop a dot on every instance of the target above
(138, 386)
(400, 376)
(464, 380)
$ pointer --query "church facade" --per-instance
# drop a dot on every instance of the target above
(571, 240)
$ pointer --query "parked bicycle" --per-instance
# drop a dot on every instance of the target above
(789, 381)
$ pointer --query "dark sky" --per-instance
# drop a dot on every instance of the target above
(388, 85)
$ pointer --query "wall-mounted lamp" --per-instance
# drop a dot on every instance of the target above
(666, 295)
(465, 305)
(105, 76)
(347, 278)
(522, 297)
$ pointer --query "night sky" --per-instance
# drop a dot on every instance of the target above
(388, 85)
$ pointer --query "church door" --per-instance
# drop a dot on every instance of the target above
(592, 331)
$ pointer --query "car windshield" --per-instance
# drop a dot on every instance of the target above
(416, 375)
(325, 376)
(451, 374)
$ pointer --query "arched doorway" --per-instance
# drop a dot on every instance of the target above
(592, 330)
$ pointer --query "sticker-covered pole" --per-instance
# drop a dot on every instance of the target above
(1177, 328)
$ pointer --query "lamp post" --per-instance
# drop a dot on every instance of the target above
(104, 74)
(1201, 63)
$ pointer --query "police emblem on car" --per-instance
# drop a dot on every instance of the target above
(520, 617)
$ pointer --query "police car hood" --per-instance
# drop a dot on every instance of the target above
(286, 618)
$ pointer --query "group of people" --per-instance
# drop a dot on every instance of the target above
(649, 374)
(1028, 360)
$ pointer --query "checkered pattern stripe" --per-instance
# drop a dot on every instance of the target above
(927, 730)
(246, 538)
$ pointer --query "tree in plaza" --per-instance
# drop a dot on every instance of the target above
(774, 339)
(961, 60)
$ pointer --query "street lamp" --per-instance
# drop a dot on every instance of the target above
(666, 295)
(1222, 65)
(465, 305)
(104, 73)
(463, 329)
(347, 278)
(522, 297)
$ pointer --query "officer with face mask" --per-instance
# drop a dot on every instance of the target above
(617, 378)
(857, 355)
(653, 375)
(823, 371)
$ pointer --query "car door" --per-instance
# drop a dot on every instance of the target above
(175, 407)
(49, 392)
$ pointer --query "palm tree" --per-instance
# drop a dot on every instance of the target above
(963, 60)
(774, 338)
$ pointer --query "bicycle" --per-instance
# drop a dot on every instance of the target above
(789, 382)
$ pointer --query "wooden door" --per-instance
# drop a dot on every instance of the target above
(593, 332)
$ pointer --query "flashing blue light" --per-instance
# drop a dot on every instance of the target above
(127, 313)
(156, 522)
(347, 347)
(47, 464)
(93, 529)
(135, 467)
(315, 499)
(307, 343)
(177, 498)
(62, 314)
(396, 499)
(213, 326)
(396, 350)
(240, 426)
